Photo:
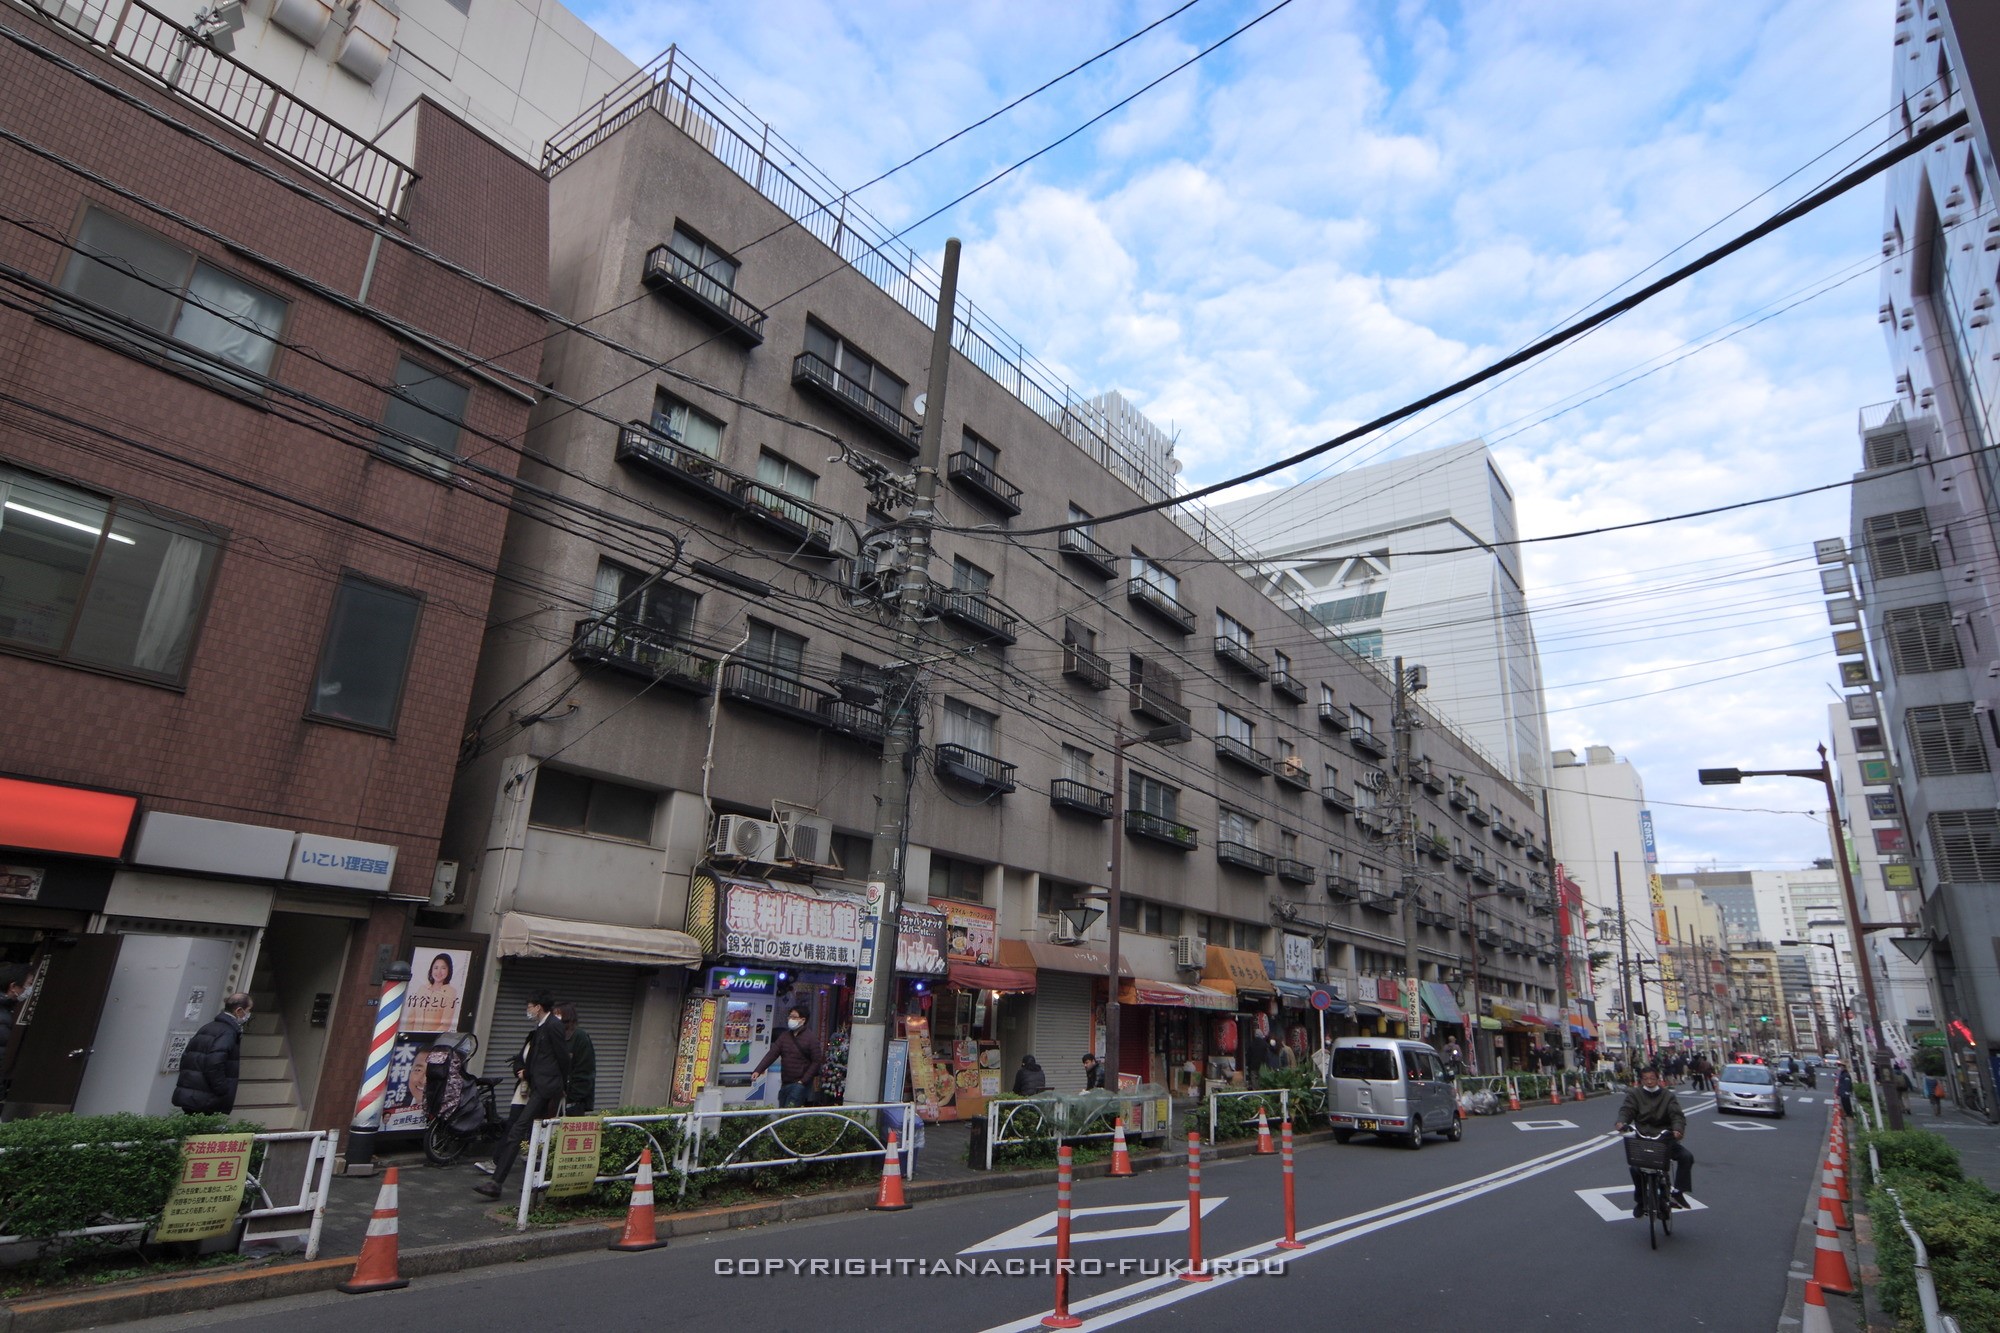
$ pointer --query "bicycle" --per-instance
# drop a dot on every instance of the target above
(1648, 1156)
(460, 1108)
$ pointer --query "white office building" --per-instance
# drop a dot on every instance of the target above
(1595, 812)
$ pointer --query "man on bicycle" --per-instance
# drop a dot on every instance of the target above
(1653, 1108)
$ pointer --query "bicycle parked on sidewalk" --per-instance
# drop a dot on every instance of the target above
(1648, 1155)
(460, 1108)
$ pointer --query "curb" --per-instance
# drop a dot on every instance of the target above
(208, 1291)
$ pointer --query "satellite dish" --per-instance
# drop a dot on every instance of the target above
(917, 406)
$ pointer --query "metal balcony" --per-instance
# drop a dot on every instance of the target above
(1343, 888)
(676, 276)
(1244, 857)
(1086, 549)
(773, 691)
(984, 482)
(644, 651)
(1425, 774)
(1377, 902)
(974, 611)
(1161, 603)
(1460, 861)
(974, 769)
(861, 722)
(1337, 798)
(665, 459)
(1143, 824)
(784, 515)
(1085, 667)
(1149, 702)
(1476, 812)
(816, 375)
(1082, 799)
(1292, 773)
(1460, 798)
(1241, 656)
(1534, 853)
(1334, 716)
(1366, 742)
(1437, 849)
(1285, 683)
(1243, 753)
(1296, 872)
(1430, 916)
(1480, 874)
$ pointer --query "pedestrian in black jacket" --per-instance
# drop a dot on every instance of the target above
(798, 1058)
(1029, 1078)
(541, 1072)
(212, 1060)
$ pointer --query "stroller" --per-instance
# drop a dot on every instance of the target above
(459, 1106)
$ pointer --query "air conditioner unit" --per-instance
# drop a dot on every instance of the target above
(745, 838)
(1064, 932)
(1190, 952)
(807, 838)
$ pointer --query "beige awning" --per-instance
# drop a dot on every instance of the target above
(526, 936)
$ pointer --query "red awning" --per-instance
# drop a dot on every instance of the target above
(1395, 1011)
(1174, 995)
(973, 976)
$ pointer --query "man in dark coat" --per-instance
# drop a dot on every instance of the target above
(798, 1058)
(541, 1073)
(213, 1057)
(1029, 1080)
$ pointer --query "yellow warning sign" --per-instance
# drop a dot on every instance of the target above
(214, 1170)
(574, 1148)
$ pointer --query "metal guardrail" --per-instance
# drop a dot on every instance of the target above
(1013, 1122)
(1935, 1321)
(1215, 1099)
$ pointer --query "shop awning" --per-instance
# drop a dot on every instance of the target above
(973, 976)
(1488, 1024)
(1172, 995)
(1582, 1026)
(1439, 1001)
(1387, 1010)
(1299, 995)
(524, 936)
(1243, 970)
(1041, 955)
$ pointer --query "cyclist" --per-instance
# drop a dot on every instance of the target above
(1653, 1107)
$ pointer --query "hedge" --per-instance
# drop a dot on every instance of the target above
(124, 1171)
(1958, 1219)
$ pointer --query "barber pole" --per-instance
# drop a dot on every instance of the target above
(375, 1074)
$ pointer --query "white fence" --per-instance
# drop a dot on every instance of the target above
(1016, 1122)
(1215, 1100)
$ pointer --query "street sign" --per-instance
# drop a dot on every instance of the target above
(1322, 1000)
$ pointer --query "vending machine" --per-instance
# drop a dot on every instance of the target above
(745, 1026)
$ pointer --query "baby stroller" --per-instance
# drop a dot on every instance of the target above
(459, 1106)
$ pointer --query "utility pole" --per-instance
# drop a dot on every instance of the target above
(875, 979)
(1624, 955)
(1559, 914)
(1406, 839)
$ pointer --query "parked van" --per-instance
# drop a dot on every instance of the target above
(1385, 1086)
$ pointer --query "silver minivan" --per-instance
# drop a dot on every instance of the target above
(1385, 1086)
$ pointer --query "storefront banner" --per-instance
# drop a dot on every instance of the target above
(932, 1086)
(1298, 959)
(691, 1052)
(1388, 988)
(920, 941)
(575, 1146)
(791, 925)
(342, 863)
(971, 932)
(214, 1170)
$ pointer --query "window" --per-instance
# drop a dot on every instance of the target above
(1155, 576)
(968, 577)
(1053, 896)
(970, 727)
(1966, 845)
(1281, 665)
(1233, 726)
(1900, 544)
(1288, 756)
(425, 411)
(1130, 910)
(1235, 826)
(1231, 630)
(1082, 521)
(577, 804)
(1247, 937)
(1154, 797)
(1079, 765)
(628, 597)
(980, 449)
(685, 425)
(1363, 606)
(703, 267)
(1921, 639)
(1334, 860)
(782, 474)
(953, 878)
(1364, 725)
(366, 655)
(870, 378)
(1364, 645)
(1367, 791)
(1161, 920)
(1082, 635)
(1330, 778)
(187, 303)
(89, 579)
(1288, 844)
(1944, 740)
(1325, 696)
(780, 650)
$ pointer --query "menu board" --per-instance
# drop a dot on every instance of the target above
(932, 1085)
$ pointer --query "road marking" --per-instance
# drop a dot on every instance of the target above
(1742, 1125)
(1042, 1230)
(1802, 1101)
(1600, 1203)
(1544, 1124)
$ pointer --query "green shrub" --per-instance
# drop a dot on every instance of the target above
(123, 1172)
(1236, 1117)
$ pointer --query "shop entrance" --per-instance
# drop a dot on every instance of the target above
(57, 1025)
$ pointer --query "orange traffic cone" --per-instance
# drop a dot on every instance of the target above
(1579, 1092)
(1264, 1147)
(1513, 1096)
(1816, 1319)
(1837, 1170)
(1830, 1204)
(1829, 1259)
(889, 1199)
(1121, 1159)
(375, 1270)
(640, 1234)
(1555, 1092)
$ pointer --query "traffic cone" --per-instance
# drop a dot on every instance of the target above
(1555, 1092)
(1836, 1173)
(1829, 1259)
(1513, 1095)
(640, 1233)
(1121, 1160)
(1816, 1318)
(1830, 1204)
(1579, 1092)
(375, 1270)
(1264, 1145)
(889, 1199)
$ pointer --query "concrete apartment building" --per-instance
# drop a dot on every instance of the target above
(1597, 811)
(252, 508)
(756, 399)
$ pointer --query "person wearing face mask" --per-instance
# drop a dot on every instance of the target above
(541, 1072)
(798, 1057)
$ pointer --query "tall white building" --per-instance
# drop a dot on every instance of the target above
(1595, 812)
(1414, 558)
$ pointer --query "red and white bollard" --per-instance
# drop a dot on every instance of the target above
(1291, 1240)
(1060, 1317)
(1197, 1271)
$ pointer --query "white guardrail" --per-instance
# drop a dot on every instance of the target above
(1017, 1121)
(288, 1193)
(1935, 1321)
(1215, 1100)
(865, 1125)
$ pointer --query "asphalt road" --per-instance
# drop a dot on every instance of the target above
(1489, 1233)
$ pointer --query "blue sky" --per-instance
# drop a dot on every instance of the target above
(1356, 202)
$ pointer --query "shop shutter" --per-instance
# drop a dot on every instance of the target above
(603, 994)
(1062, 1028)
(1135, 1050)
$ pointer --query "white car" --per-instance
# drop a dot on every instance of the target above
(1749, 1089)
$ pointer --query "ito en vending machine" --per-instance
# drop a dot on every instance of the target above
(746, 1025)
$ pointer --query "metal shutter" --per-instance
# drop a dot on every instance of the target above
(1900, 544)
(1921, 639)
(1966, 845)
(1062, 1028)
(1944, 740)
(602, 994)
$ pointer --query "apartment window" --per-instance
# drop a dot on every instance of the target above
(577, 804)
(1330, 777)
(861, 370)
(1083, 636)
(1082, 520)
(1965, 844)
(1370, 877)
(1326, 696)
(1900, 544)
(1921, 639)
(1233, 726)
(1281, 665)
(1235, 826)
(1288, 844)
(1288, 756)
(1334, 860)
(1364, 725)
(423, 417)
(780, 650)
(1231, 630)
(964, 881)
(782, 474)
(686, 425)
(980, 449)
(630, 597)
(714, 273)
(1053, 896)
(968, 577)
(1366, 795)
(1130, 911)
(1079, 765)
(186, 303)
(973, 728)
(1247, 937)
(86, 578)
(1155, 575)
(366, 655)
(1161, 920)
(1154, 797)
(1944, 740)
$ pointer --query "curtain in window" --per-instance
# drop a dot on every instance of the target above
(229, 320)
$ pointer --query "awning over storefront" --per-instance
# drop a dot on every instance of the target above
(1581, 1025)
(524, 936)
(1383, 1008)
(1438, 999)
(1488, 1024)
(1242, 970)
(971, 976)
(1298, 995)
(1172, 995)
(1040, 955)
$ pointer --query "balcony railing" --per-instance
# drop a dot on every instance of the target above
(1148, 701)
(1285, 683)
(1241, 656)
(1292, 773)
(1367, 742)
(1081, 546)
(1337, 798)
(1476, 812)
(1430, 916)
(1145, 824)
(775, 691)
(1084, 799)
(1426, 775)
(861, 722)
(644, 651)
(1481, 874)
(1342, 888)
(784, 515)
(1245, 857)
(1151, 597)
(667, 459)
(1334, 716)
(975, 769)
(1085, 667)
(1534, 853)
(1435, 848)
(1296, 872)
(813, 372)
(1460, 861)
(983, 481)
(974, 611)
(677, 276)
(1376, 901)
(1460, 798)
(1242, 752)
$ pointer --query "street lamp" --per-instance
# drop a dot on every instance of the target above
(1878, 1054)
(1171, 734)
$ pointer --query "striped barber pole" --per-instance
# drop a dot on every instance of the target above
(375, 1076)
